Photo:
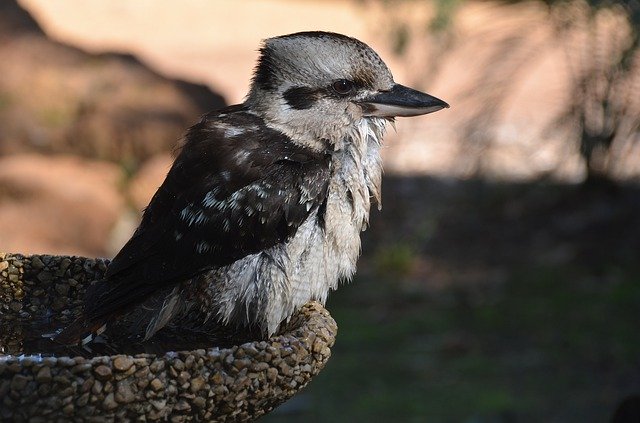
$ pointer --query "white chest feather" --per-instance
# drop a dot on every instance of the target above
(274, 283)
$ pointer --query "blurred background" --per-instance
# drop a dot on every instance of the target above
(501, 282)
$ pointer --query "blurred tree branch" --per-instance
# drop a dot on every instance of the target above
(600, 38)
(603, 115)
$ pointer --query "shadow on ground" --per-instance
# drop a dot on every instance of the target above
(486, 302)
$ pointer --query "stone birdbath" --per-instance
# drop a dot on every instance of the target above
(230, 384)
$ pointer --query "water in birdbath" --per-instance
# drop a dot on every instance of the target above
(42, 294)
(32, 337)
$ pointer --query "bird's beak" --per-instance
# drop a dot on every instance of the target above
(401, 101)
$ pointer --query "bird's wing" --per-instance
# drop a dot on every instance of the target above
(236, 188)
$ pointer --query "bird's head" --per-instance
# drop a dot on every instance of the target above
(315, 86)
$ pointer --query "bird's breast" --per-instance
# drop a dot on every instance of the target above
(267, 287)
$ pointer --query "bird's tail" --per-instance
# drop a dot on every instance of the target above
(90, 323)
(80, 332)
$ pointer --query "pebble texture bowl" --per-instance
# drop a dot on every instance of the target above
(239, 383)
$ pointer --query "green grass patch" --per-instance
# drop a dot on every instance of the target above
(541, 349)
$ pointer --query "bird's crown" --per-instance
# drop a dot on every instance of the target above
(319, 58)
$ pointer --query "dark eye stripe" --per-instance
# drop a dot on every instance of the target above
(301, 98)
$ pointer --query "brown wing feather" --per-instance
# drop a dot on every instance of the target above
(224, 198)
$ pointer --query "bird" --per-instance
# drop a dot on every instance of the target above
(263, 207)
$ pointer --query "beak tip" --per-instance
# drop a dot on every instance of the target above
(403, 101)
(443, 104)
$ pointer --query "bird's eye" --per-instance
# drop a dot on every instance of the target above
(342, 86)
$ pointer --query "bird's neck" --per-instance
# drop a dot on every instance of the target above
(361, 149)
(353, 139)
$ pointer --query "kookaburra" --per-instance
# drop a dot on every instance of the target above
(263, 207)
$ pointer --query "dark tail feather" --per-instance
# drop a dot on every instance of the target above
(90, 323)
(80, 331)
(103, 302)
(110, 298)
